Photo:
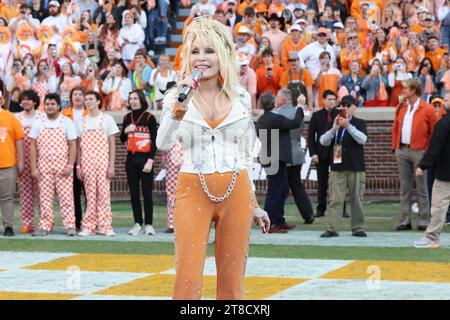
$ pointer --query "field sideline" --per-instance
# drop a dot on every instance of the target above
(296, 266)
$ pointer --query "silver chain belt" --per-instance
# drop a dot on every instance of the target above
(226, 194)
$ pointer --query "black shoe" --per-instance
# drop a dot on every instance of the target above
(9, 232)
(404, 227)
(309, 221)
(422, 228)
(345, 215)
(319, 214)
(360, 234)
(329, 234)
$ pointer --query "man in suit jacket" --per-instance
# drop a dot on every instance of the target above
(290, 142)
(346, 138)
(322, 121)
(411, 132)
(274, 156)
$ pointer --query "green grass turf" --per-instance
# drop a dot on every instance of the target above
(379, 216)
(267, 251)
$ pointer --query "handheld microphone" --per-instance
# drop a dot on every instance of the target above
(185, 90)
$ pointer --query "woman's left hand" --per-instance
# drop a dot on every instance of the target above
(261, 218)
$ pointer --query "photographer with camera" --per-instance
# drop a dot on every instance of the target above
(346, 138)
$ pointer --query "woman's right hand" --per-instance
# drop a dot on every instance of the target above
(188, 81)
(130, 128)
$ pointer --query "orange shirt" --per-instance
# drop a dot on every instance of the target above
(363, 59)
(10, 132)
(307, 79)
(436, 58)
(8, 13)
(275, 8)
(373, 11)
(328, 81)
(177, 59)
(257, 62)
(268, 85)
(290, 47)
(413, 58)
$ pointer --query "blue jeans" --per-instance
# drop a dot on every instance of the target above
(152, 27)
(445, 31)
(163, 20)
(277, 192)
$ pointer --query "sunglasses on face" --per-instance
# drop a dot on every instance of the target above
(322, 34)
(352, 38)
(345, 105)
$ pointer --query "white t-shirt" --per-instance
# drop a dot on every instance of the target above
(67, 125)
(93, 123)
(28, 122)
(77, 115)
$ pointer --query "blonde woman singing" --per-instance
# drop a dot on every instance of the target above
(214, 125)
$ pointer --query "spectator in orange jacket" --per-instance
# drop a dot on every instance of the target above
(411, 132)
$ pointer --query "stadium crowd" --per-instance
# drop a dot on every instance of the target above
(88, 56)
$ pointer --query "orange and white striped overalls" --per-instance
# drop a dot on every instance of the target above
(94, 162)
(53, 156)
(173, 159)
(28, 187)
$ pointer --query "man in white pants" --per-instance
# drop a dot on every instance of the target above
(438, 154)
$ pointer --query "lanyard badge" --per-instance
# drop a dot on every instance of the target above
(337, 149)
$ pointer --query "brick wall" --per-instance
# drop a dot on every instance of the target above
(381, 170)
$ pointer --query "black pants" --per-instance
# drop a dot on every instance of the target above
(322, 184)
(298, 191)
(138, 179)
(78, 188)
(277, 192)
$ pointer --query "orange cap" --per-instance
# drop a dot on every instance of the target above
(261, 7)
(322, 30)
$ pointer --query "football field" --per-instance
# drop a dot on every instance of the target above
(294, 266)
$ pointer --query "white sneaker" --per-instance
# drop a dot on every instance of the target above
(110, 233)
(84, 233)
(148, 230)
(426, 243)
(162, 40)
(135, 230)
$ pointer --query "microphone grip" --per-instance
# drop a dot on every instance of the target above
(186, 90)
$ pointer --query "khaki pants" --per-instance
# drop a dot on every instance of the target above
(193, 215)
(407, 161)
(439, 206)
(7, 185)
(354, 182)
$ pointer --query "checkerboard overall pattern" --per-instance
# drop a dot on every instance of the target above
(28, 275)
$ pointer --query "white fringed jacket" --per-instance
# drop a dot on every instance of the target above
(230, 146)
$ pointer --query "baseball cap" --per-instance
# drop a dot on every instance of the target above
(244, 29)
(437, 100)
(54, 3)
(298, 21)
(295, 27)
(300, 6)
(348, 99)
(338, 25)
(422, 10)
(322, 30)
